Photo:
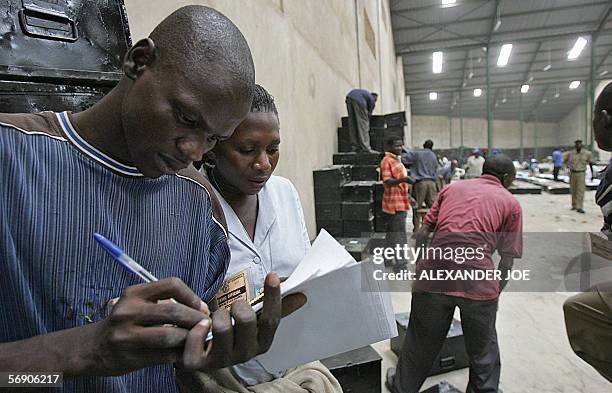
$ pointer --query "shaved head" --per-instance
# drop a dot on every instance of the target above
(500, 166)
(602, 119)
(200, 40)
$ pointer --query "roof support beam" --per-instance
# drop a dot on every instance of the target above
(457, 44)
(504, 16)
(538, 82)
(539, 103)
(535, 54)
(601, 24)
(434, 6)
(442, 26)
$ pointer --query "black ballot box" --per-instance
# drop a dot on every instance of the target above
(397, 119)
(358, 191)
(365, 172)
(344, 121)
(334, 227)
(328, 183)
(358, 228)
(331, 176)
(358, 247)
(357, 211)
(19, 97)
(453, 355)
(353, 158)
(442, 387)
(344, 141)
(378, 121)
(80, 42)
(358, 371)
(328, 211)
(394, 132)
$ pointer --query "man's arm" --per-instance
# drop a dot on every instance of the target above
(140, 332)
(395, 182)
(504, 266)
(130, 338)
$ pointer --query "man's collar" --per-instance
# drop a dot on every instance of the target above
(389, 154)
(492, 178)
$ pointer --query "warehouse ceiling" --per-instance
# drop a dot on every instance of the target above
(541, 32)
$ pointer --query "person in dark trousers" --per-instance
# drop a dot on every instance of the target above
(557, 158)
(423, 165)
(396, 199)
(481, 215)
(588, 316)
(360, 104)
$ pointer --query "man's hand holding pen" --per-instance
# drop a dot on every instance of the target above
(133, 336)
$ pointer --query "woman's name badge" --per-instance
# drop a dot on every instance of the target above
(234, 288)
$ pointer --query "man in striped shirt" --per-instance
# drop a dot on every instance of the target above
(123, 168)
(396, 200)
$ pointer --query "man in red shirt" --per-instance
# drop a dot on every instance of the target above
(396, 200)
(470, 220)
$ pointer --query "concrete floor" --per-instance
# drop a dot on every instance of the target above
(535, 353)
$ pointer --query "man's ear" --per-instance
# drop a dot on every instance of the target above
(140, 55)
(602, 120)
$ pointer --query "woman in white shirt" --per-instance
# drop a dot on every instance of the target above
(264, 216)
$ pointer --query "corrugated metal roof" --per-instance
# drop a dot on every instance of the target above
(541, 31)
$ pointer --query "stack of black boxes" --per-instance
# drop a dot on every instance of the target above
(344, 142)
(381, 128)
(348, 194)
(328, 183)
(358, 195)
(60, 55)
(344, 194)
(384, 127)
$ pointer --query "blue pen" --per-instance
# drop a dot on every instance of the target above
(130, 264)
(124, 259)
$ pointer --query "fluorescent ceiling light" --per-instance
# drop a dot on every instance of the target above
(544, 101)
(557, 95)
(449, 3)
(547, 67)
(604, 72)
(433, 96)
(470, 75)
(504, 55)
(577, 48)
(574, 85)
(524, 89)
(437, 62)
(477, 92)
(504, 100)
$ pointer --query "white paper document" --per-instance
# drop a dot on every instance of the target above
(341, 313)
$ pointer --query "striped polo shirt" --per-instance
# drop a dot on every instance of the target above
(56, 191)
(395, 198)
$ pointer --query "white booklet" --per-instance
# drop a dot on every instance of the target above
(344, 310)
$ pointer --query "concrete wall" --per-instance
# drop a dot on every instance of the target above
(446, 132)
(308, 54)
(506, 134)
